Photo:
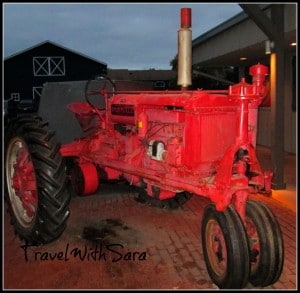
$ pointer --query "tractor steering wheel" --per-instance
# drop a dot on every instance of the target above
(98, 77)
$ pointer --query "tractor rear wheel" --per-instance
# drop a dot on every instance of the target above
(35, 186)
(266, 244)
(225, 247)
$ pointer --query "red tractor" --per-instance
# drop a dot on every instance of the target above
(171, 145)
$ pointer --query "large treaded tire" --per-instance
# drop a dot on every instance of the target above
(50, 197)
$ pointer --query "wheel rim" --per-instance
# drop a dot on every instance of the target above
(216, 248)
(21, 182)
(254, 244)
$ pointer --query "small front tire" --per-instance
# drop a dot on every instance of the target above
(266, 244)
(225, 248)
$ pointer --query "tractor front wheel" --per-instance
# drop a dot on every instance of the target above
(35, 186)
(225, 247)
(266, 244)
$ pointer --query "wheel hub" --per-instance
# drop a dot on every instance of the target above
(217, 252)
(22, 185)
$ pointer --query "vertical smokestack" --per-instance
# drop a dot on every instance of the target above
(185, 49)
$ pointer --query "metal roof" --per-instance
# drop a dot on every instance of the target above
(225, 26)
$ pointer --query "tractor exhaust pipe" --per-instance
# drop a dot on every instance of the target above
(185, 49)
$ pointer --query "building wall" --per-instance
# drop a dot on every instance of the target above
(20, 76)
(290, 119)
(242, 35)
(290, 127)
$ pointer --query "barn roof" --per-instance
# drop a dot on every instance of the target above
(56, 45)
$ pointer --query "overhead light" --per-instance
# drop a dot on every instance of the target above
(269, 45)
(243, 58)
(293, 44)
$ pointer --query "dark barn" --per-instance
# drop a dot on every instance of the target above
(26, 72)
